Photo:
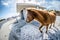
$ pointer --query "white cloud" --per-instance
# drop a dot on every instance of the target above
(5, 3)
(54, 4)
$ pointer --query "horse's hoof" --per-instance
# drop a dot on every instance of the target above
(46, 31)
(41, 31)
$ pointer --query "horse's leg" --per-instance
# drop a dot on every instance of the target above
(40, 28)
(50, 25)
(54, 24)
(47, 27)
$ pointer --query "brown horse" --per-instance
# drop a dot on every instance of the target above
(43, 16)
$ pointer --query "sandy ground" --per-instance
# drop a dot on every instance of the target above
(4, 31)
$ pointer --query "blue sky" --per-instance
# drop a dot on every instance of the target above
(8, 7)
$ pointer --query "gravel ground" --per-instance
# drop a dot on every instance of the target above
(28, 31)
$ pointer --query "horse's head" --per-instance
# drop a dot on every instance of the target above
(29, 16)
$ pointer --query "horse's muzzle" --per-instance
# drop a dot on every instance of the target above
(27, 21)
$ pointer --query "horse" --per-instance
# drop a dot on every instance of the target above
(44, 17)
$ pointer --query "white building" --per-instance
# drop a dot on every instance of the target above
(21, 4)
(27, 3)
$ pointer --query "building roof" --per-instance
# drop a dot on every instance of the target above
(27, 5)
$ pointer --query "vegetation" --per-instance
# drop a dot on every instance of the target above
(1, 20)
(57, 12)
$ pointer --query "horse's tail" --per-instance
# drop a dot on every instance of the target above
(52, 20)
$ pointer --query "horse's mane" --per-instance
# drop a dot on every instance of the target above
(32, 12)
(37, 13)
